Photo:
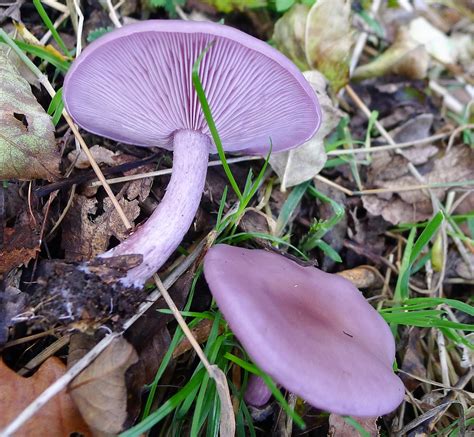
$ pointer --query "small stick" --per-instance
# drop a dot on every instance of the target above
(394, 146)
(113, 14)
(170, 170)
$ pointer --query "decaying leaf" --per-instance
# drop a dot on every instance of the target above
(27, 145)
(306, 161)
(59, 417)
(100, 154)
(339, 427)
(20, 244)
(413, 361)
(362, 276)
(329, 39)
(85, 236)
(405, 57)
(22, 68)
(388, 171)
(290, 34)
(100, 391)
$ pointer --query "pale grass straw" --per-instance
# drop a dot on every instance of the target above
(167, 171)
(56, 5)
(80, 26)
(113, 14)
(44, 39)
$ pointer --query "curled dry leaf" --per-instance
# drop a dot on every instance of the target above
(100, 391)
(27, 146)
(405, 57)
(329, 39)
(100, 154)
(59, 417)
(306, 161)
(362, 276)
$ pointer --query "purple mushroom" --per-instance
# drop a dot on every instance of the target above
(134, 85)
(312, 332)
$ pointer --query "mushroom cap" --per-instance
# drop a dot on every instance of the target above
(134, 85)
(312, 332)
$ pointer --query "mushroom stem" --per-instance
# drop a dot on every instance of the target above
(157, 239)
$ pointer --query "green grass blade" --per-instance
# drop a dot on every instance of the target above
(291, 203)
(210, 121)
(270, 384)
(171, 404)
(401, 289)
(426, 236)
(49, 24)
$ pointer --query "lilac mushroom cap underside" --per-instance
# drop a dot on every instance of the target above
(134, 85)
(312, 332)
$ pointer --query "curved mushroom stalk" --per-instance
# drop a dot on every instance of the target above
(157, 239)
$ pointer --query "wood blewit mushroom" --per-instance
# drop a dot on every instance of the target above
(134, 85)
(311, 331)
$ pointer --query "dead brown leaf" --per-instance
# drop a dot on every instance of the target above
(20, 244)
(413, 361)
(86, 235)
(456, 165)
(362, 276)
(100, 391)
(338, 427)
(100, 154)
(59, 417)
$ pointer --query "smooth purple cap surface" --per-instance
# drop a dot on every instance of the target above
(312, 332)
(134, 85)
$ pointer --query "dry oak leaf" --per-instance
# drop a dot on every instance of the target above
(58, 418)
(456, 165)
(27, 145)
(100, 391)
(86, 235)
(20, 245)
